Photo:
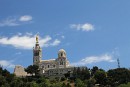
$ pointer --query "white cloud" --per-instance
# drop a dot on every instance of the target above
(45, 42)
(84, 27)
(95, 59)
(29, 33)
(15, 21)
(9, 22)
(56, 42)
(25, 18)
(19, 33)
(28, 41)
(7, 64)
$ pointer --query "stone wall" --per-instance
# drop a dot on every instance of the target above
(19, 71)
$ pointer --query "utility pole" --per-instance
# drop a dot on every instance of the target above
(118, 62)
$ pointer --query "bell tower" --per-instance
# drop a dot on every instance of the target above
(62, 61)
(37, 52)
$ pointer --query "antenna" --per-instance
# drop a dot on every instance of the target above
(118, 61)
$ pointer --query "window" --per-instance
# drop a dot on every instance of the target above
(36, 54)
(43, 71)
(54, 66)
(48, 66)
(61, 54)
(61, 63)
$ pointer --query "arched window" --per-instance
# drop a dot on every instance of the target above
(53, 65)
(61, 63)
(43, 71)
(61, 54)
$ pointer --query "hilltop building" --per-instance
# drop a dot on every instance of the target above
(52, 67)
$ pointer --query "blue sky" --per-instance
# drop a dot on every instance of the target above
(93, 32)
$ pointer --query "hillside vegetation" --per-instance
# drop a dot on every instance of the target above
(81, 77)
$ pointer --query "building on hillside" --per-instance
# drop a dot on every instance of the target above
(52, 67)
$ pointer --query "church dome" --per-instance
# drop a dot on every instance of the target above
(61, 53)
(61, 50)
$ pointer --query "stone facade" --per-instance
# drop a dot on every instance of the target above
(51, 67)
(19, 71)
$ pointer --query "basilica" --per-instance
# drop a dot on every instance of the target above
(52, 67)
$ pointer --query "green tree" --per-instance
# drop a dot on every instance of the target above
(17, 82)
(79, 83)
(10, 78)
(68, 85)
(32, 84)
(100, 77)
(91, 82)
(63, 85)
(5, 73)
(118, 76)
(85, 74)
(93, 70)
(124, 85)
(2, 80)
(5, 85)
(32, 69)
(1, 69)
(67, 75)
(81, 73)
(58, 84)
(40, 80)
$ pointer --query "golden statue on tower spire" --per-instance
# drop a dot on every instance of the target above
(37, 38)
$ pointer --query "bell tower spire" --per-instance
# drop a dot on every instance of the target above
(37, 39)
(37, 52)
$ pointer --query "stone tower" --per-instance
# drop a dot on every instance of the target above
(62, 59)
(61, 53)
(37, 52)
